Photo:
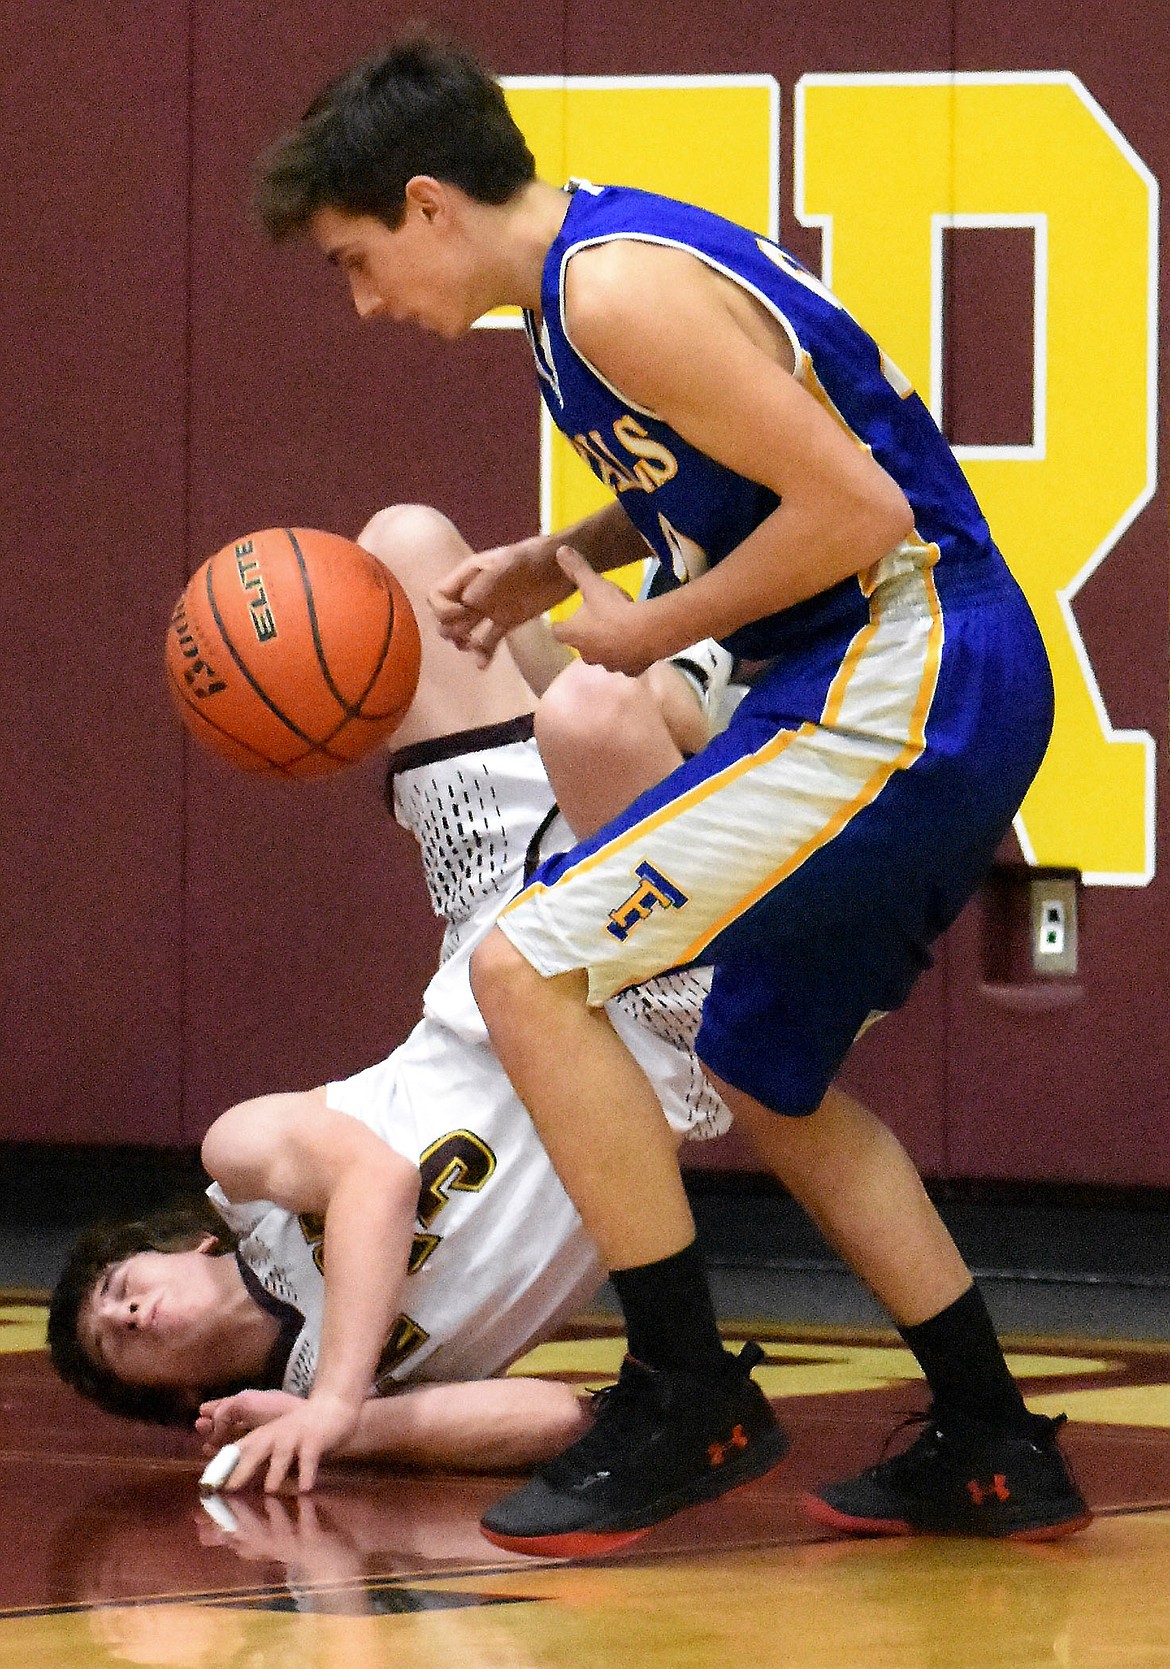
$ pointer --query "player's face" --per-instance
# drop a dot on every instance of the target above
(155, 1318)
(421, 272)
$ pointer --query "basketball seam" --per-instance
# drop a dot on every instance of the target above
(285, 767)
(221, 730)
(242, 667)
(351, 711)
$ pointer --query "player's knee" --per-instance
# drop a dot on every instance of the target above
(586, 709)
(414, 541)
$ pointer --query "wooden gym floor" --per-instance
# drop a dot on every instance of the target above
(111, 1559)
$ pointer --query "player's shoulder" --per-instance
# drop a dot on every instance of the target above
(621, 296)
(603, 277)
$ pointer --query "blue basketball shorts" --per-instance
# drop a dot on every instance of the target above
(812, 851)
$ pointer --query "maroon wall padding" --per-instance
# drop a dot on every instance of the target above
(1082, 1093)
(93, 468)
(309, 937)
(176, 935)
(988, 283)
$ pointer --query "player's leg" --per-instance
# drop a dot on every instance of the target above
(788, 802)
(982, 1464)
(690, 860)
(606, 738)
(685, 1422)
(856, 1181)
(574, 1073)
(420, 547)
(606, 734)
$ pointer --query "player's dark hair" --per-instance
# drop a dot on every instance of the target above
(177, 1228)
(424, 106)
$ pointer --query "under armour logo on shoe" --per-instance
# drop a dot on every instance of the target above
(979, 1493)
(717, 1453)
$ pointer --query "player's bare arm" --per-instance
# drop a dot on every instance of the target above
(486, 1425)
(686, 344)
(493, 591)
(298, 1152)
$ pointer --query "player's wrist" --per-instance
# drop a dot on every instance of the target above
(539, 555)
(660, 628)
(337, 1401)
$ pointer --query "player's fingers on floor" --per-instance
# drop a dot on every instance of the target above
(307, 1462)
(278, 1468)
(253, 1455)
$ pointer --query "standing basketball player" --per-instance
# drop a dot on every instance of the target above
(804, 509)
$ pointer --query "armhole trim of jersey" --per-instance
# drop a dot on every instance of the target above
(800, 354)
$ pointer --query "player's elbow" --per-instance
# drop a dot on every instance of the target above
(883, 515)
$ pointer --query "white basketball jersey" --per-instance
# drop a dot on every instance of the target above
(500, 1258)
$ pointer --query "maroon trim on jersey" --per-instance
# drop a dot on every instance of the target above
(291, 1321)
(487, 736)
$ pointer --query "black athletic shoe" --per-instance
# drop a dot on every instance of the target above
(662, 1441)
(961, 1477)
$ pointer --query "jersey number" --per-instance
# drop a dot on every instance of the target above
(458, 1163)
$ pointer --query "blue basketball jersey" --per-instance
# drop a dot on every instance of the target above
(693, 511)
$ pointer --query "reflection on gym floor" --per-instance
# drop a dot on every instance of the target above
(114, 1559)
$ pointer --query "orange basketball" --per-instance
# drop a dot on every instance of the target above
(292, 652)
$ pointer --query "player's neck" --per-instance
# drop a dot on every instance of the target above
(527, 227)
(250, 1329)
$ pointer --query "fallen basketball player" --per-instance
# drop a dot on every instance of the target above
(419, 1185)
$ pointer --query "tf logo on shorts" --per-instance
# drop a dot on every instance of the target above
(653, 889)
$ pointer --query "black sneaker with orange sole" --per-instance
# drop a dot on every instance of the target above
(661, 1441)
(961, 1477)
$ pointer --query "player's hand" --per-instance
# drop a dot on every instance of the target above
(607, 630)
(295, 1440)
(492, 592)
(226, 1419)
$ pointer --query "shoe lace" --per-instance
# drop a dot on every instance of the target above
(620, 1413)
(625, 1414)
(918, 1456)
(921, 1456)
(920, 1417)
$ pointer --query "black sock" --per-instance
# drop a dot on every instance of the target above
(670, 1320)
(960, 1355)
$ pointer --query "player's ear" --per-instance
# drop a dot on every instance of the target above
(426, 195)
(208, 1243)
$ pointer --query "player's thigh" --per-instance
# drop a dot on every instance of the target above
(659, 882)
(799, 978)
